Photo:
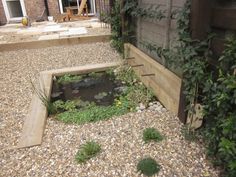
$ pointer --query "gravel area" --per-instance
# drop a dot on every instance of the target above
(120, 137)
(17, 68)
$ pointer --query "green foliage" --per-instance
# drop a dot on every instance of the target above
(93, 113)
(87, 151)
(44, 99)
(138, 93)
(130, 9)
(152, 12)
(65, 106)
(135, 93)
(220, 113)
(126, 74)
(227, 61)
(216, 91)
(148, 166)
(116, 28)
(151, 134)
(95, 75)
(67, 78)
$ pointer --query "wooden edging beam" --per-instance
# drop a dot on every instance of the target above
(34, 125)
(164, 83)
(53, 42)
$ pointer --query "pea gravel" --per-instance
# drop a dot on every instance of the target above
(120, 137)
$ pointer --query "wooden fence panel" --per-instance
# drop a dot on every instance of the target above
(224, 18)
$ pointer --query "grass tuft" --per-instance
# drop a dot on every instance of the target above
(87, 151)
(148, 166)
(151, 134)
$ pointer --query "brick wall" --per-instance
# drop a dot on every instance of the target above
(3, 19)
(53, 6)
(34, 9)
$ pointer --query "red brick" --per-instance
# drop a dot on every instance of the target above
(3, 19)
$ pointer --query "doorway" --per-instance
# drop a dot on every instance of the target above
(14, 9)
(66, 3)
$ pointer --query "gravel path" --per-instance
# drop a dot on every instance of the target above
(120, 137)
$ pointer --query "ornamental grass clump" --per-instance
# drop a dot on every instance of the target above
(87, 151)
(148, 166)
(151, 134)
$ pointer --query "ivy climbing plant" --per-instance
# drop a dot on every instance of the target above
(220, 111)
(116, 27)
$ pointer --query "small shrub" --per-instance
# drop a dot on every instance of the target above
(64, 106)
(148, 166)
(151, 134)
(67, 78)
(87, 151)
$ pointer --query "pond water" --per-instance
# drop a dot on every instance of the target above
(101, 89)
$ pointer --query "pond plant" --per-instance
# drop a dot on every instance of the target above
(128, 96)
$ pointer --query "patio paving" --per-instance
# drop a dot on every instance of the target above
(12, 33)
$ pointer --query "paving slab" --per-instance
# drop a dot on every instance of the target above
(74, 32)
(9, 30)
(54, 28)
(48, 37)
(30, 31)
(3, 42)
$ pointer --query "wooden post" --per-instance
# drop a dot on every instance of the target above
(200, 18)
(168, 23)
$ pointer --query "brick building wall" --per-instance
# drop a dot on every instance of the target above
(3, 19)
(53, 7)
(35, 9)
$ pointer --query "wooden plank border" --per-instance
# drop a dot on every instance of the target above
(53, 42)
(34, 125)
(165, 84)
